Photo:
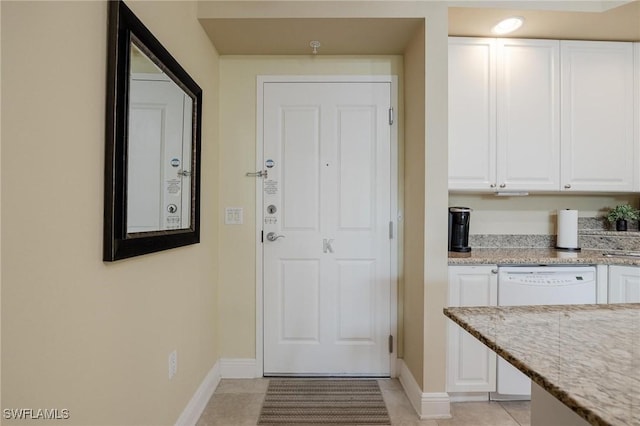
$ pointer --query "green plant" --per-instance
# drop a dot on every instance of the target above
(623, 211)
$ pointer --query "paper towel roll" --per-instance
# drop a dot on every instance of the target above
(567, 230)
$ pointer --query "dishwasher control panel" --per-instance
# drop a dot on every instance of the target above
(546, 285)
(547, 279)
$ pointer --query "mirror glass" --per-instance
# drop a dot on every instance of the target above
(152, 184)
(159, 166)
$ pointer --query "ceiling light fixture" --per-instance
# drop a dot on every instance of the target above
(508, 25)
(315, 44)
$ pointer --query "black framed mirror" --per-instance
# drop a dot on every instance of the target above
(152, 167)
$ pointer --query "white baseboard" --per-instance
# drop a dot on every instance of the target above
(238, 368)
(198, 402)
(229, 368)
(431, 405)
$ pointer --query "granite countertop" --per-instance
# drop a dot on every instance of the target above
(538, 256)
(587, 356)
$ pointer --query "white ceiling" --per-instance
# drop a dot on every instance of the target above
(588, 20)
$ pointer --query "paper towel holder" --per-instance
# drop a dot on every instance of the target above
(567, 249)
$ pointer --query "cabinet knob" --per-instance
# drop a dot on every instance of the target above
(493, 185)
(503, 185)
(494, 271)
(567, 186)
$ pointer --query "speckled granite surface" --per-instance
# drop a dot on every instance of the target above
(587, 356)
(591, 239)
(594, 233)
(610, 240)
(512, 240)
(537, 256)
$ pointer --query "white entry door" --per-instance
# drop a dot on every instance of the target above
(326, 213)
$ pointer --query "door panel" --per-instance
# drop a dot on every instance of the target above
(299, 309)
(356, 144)
(327, 280)
(356, 301)
(300, 176)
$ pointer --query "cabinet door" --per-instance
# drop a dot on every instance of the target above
(472, 123)
(471, 366)
(624, 284)
(597, 141)
(528, 112)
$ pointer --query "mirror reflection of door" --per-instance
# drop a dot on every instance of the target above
(159, 150)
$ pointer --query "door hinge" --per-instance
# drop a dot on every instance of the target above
(390, 116)
(391, 230)
(390, 344)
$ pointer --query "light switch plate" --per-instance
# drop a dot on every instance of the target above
(233, 215)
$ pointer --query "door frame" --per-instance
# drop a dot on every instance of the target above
(394, 214)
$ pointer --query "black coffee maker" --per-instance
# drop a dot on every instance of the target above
(459, 229)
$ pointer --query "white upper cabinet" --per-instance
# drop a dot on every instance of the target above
(472, 113)
(597, 101)
(528, 101)
(543, 115)
(503, 114)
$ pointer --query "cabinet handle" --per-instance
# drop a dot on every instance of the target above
(494, 271)
(493, 185)
(567, 186)
(503, 185)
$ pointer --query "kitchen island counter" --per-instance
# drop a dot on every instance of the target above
(586, 356)
(538, 256)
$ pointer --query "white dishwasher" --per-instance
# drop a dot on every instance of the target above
(538, 285)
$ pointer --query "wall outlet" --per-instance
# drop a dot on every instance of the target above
(173, 364)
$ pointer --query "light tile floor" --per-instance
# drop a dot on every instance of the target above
(237, 402)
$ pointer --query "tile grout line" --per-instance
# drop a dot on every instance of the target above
(511, 415)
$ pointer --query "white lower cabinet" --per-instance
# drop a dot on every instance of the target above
(471, 366)
(624, 284)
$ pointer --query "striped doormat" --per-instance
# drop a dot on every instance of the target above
(323, 401)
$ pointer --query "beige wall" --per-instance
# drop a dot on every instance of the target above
(93, 337)
(534, 214)
(77, 333)
(1, 215)
(237, 273)
(424, 343)
(436, 184)
(412, 293)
